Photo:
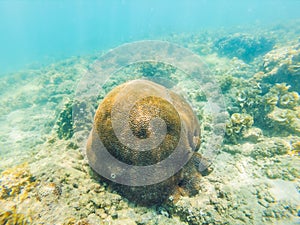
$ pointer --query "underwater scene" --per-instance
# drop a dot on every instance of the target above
(149, 112)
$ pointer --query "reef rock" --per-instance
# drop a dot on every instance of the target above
(285, 118)
(143, 125)
(282, 65)
(243, 46)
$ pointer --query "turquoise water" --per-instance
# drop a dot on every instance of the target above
(38, 32)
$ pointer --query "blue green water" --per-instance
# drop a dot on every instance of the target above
(37, 32)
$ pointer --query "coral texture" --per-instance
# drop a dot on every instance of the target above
(180, 126)
(243, 46)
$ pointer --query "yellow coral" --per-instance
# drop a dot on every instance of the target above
(11, 216)
(16, 182)
(282, 116)
(237, 124)
(242, 119)
(297, 110)
(281, 96)
(272, 99)
(236, 118)
(15, 185)
(282, 87)
(295, 149)
(289, 100)
(285, 118)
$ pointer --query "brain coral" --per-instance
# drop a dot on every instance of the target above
(141, 124)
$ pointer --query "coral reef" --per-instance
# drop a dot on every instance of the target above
(65, 122)
(227, 82)
(237, 125)
(264, 148)
(274, 107)
(284, 118)
(253, 134)
(270, 148)
(243, 46)
(255, 177)
(29, 101)
(149, 105)
(225, 201)
(284, 172)
(16, 181)
(282, 65)
(248, 98)
(12, 217)
(282, 113)
(295, 148)
(156, 69)
(16, 186)
(279, 95)
(48, 191)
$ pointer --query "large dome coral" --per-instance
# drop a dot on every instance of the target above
(141, 124)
